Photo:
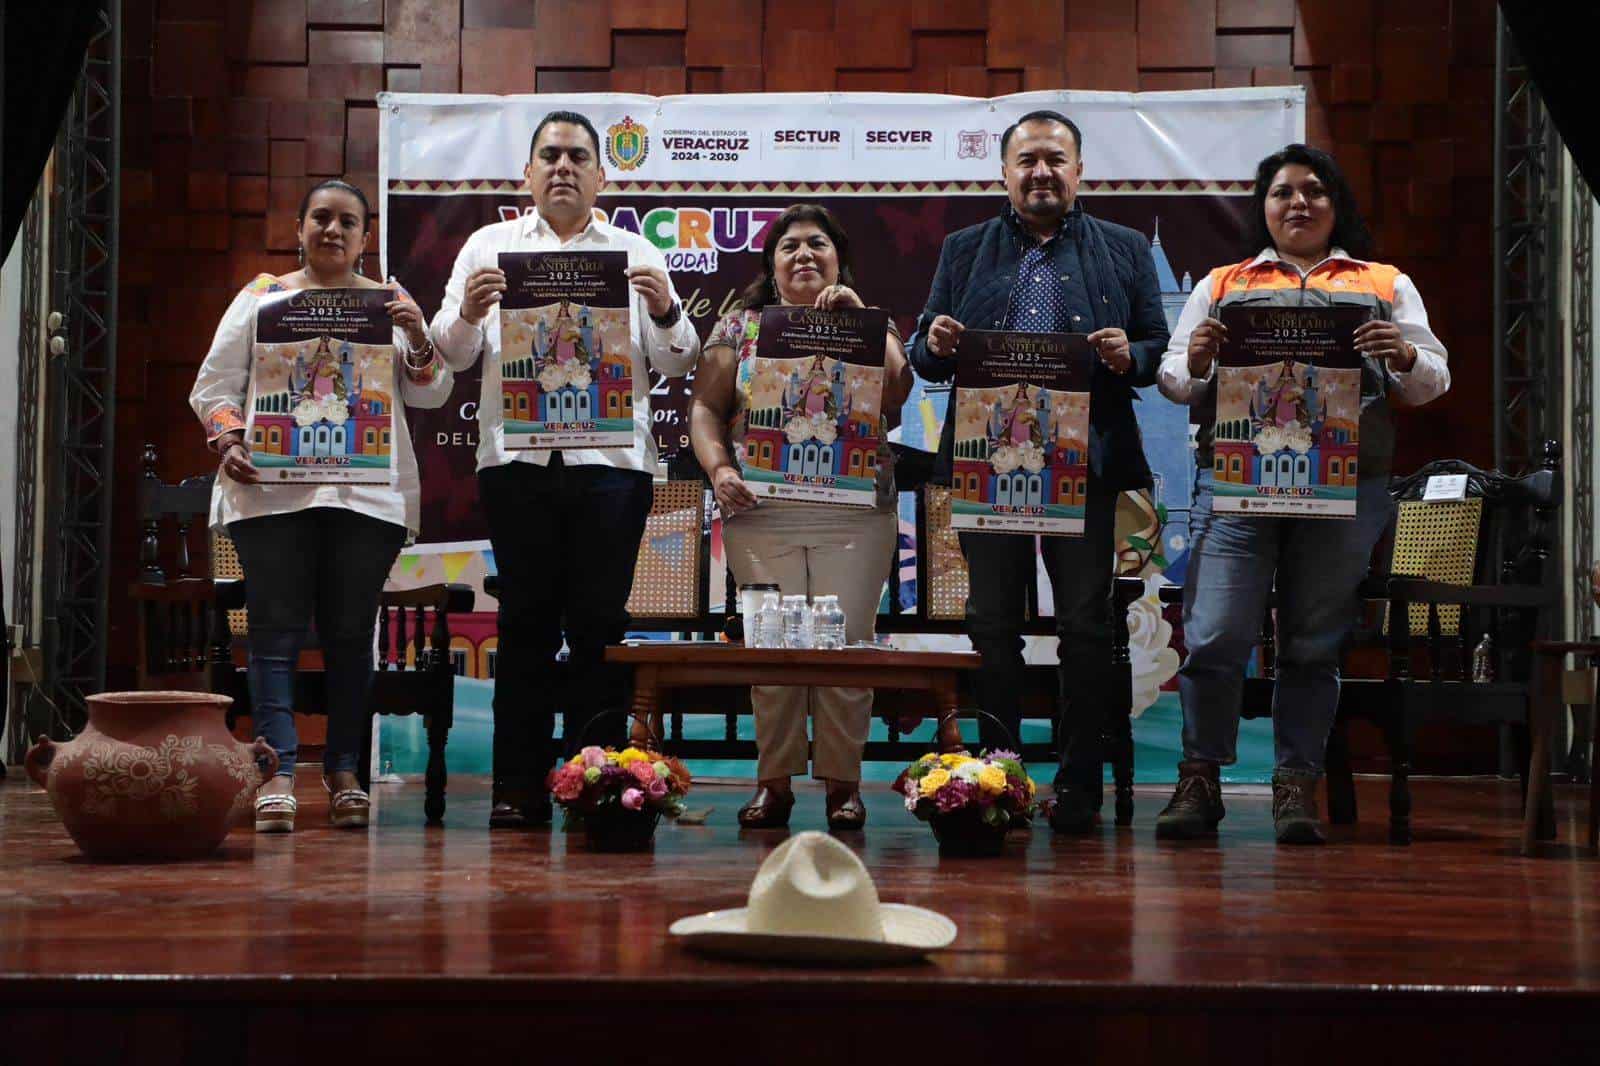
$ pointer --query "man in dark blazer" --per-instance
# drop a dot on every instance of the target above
(1046, 265)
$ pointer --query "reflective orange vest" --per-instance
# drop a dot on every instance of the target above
(1273, 283)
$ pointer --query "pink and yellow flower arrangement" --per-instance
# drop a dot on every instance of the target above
(992, 788)
(631, 779)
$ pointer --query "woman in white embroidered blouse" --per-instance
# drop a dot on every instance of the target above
(314, 553)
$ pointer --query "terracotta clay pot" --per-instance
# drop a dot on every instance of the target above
(154, 775)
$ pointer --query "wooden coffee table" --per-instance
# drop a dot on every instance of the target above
(659, 666)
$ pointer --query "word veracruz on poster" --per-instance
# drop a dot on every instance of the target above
(814, 389)
(1288, 412)
(322, 387)
(566, 376)
(1021, 461)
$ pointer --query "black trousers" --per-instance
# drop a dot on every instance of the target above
(565, 542)
(1000, 566)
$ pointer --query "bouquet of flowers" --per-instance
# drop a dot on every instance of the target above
(603, 781)
(992, 790)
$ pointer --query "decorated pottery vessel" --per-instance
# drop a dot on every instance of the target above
(154, 775)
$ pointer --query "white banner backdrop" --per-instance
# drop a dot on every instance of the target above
(1207, 136)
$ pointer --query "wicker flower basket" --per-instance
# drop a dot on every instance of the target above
(964, 834)
(615, 828)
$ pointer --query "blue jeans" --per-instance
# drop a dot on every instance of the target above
(1318, 564)
(324, 565)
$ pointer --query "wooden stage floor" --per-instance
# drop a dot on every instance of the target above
(1113, 947)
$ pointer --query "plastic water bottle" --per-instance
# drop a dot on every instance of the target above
(1483, 661)
(769, 622)
(827, 623)
(796, 622)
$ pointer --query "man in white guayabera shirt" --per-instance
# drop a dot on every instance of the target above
(565, 525)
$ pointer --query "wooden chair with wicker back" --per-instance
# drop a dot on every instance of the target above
(181, 635)
(671, 579)
(193, 632)
(1472, 580)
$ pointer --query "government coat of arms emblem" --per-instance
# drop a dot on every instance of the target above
(627, 144)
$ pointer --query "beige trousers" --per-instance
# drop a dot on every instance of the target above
(815, 549)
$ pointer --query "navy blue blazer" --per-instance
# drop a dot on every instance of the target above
(977, 266)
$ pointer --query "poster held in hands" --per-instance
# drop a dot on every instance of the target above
(321, 406)
(1288, 412)
(566, 375)
(1021, 459)
(815, 418)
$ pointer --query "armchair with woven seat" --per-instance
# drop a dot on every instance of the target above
(193, 630)
(1482, 571)
(1457, 571)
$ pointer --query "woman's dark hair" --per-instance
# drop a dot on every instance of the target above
(763, 291)
(342, 186)
(1349, 229)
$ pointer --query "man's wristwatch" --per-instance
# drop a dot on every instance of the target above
(670, 319)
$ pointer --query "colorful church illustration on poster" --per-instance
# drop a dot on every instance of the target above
(328, 408)
(1028, 455)
(816, 422)
(1290, 407)
(560, 381)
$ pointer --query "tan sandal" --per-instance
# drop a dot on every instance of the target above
(275, 812)
(348, 808)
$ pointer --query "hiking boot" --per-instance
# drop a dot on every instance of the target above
(1196, 805)
(1294, 808)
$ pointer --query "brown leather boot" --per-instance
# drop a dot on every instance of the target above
(1196, 805)
(1294, 808)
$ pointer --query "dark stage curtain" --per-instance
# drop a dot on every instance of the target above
(1557, 42)
(43, 49)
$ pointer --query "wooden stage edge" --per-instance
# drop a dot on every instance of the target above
(406, 939)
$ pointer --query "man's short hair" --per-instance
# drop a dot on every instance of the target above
(1042, 116)
(571, 118)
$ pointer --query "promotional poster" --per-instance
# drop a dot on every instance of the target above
(1021, 460)
(566, 378)
(1288, 412)
(814, 389)
(321, 407)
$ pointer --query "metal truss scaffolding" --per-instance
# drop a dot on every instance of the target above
(1527, 379)
(30, 358)
(82, 382)
(1581, 333)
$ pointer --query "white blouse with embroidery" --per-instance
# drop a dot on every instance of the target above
(221, 395)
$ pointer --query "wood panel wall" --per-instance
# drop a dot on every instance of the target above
(232, 107)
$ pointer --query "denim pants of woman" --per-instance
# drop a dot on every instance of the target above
(1317, 564)
(323, 565)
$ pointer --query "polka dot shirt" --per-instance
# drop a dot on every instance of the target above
(1042, 294)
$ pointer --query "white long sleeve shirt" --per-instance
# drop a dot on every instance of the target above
(222, 394)
(672, 351)
(1428, 378)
